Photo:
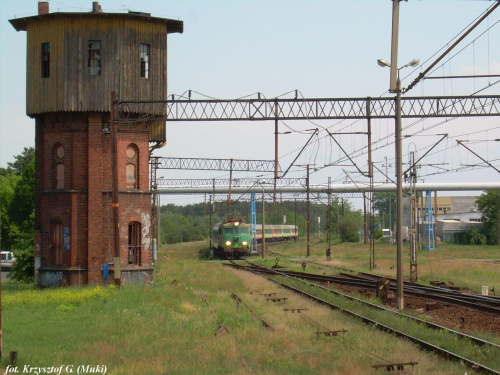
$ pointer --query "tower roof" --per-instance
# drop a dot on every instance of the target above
(173, 26)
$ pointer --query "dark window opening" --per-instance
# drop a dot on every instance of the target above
(145, 60)
(94, 62)
(134, 243)
(45, 60)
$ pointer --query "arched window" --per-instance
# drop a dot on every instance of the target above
(58, 166)
(57, 242)
(134, 243)
(132, 169)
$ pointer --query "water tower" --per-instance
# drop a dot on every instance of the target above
(75, 61)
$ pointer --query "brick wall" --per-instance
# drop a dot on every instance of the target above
(83, 206)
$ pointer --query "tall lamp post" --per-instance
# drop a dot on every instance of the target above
(399, 183)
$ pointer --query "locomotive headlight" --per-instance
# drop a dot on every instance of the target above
(228, 243)
(245, 243)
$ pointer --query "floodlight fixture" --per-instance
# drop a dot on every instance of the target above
(383, 63)
(412, 63)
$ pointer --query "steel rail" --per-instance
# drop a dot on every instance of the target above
(239, 300)
(476, 340)
(475, 300)
(446, 295)
(453, 300)
(492, 301)
(443, 352)
(440, 294)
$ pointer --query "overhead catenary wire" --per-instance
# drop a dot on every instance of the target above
(318, 144)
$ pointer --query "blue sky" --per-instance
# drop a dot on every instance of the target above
(231, 49)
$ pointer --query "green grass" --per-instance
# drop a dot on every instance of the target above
(167, 328)
(488, 356)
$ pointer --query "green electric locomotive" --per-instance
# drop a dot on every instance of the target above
(231, 239)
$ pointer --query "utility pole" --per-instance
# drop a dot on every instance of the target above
(115, 203)
(390, 199)
(365, 225)
(263, 224)
(296, 216)
(413, 220)
(435, 215)
(399, 196)
(210, 215)
(276, 109)
(308, 209)
(329, 220)
(230, 185)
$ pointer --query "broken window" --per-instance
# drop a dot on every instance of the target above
(45, 60)
(134, 243)
(57, 242)
(94, 62)
(132, 166)
(145, 60)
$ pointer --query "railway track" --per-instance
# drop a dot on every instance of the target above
(270, 274)
(369, 281)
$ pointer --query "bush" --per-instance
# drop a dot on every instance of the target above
(24, 267)
(474, 237)
(471, 237)
(349, 226)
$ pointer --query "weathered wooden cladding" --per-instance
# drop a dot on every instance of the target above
(70, 87)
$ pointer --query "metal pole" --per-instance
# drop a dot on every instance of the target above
(115, 204)
(399, 197)
(210, 214)
(296, 217)
(159, 221)
(263, 225)
(394, 46)
(329, 218)
(230, 186)
(365, 226)
(275, 148)
(308, 209)
(435, 217)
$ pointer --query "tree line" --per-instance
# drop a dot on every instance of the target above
(192, 222)
(17, 212)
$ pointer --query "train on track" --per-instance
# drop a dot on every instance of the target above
(275, 233)
(232, 238)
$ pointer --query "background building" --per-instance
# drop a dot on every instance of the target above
(454, 214)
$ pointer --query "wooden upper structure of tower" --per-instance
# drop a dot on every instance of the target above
(76, 86)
